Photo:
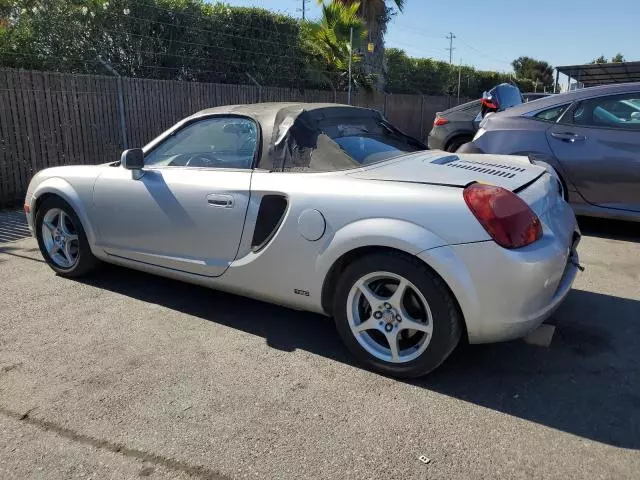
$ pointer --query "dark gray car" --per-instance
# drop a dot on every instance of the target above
(457, 126)
(591, 137)
(454, 127)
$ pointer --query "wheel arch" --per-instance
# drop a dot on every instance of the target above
(57, 187)
(338, 267)
(544, 160)
(467, 136)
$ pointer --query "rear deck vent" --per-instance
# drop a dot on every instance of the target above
(497, 169)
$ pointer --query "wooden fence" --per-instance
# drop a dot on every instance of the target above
(50, 119)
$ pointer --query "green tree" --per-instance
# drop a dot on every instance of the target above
(617, 58)
(539, 71)
(172, 39)
(329, 44)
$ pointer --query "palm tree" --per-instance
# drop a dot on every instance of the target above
(376, 15)
(329, 43)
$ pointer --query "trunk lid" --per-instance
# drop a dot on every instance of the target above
(457, 170)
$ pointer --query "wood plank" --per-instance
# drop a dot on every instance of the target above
(147, 98)
(64, 118)
(157, 119)
(130, 112)
(84, 106)
(20, 129)
(51, 121)
(111, 109)
(31, 166)
(99, 128)
(102, 118)
(7, 146)
(42, 134)
(141, 128)
(86, 100)
(73, 132)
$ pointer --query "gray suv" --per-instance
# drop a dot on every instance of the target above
(591, 138)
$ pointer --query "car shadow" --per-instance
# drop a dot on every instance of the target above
(585, 384)
(610, 229)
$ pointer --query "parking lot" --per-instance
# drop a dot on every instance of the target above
(127, 375)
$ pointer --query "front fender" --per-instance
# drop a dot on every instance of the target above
(62, 188)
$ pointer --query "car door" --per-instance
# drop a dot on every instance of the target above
(598, 144)
(187, 210)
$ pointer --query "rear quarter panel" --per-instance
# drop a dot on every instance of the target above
(357, 213)
(508, 135)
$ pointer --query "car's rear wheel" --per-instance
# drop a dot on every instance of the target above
(396, 314)
(456, 143)
(62, 239)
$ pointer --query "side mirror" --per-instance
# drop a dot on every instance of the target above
(132, 159)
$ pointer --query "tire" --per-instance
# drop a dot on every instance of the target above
(456, 143)
(418, 351)
(65, 249)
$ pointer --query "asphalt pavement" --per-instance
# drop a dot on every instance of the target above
(127, 375)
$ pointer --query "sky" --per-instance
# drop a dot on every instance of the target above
(492, 33)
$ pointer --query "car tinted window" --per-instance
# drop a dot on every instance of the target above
(508, 96)
(369, 149)
(220, 142)
(615, 111)
(551, 114)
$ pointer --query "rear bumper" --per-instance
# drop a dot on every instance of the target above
(505, 294)
(434, 141)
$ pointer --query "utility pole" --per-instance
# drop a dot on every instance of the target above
(459, 74)
(350, 57)
(450, 37)
(304, 9)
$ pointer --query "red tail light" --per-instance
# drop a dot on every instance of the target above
(504, 215)
(440, 121)
(488, 103)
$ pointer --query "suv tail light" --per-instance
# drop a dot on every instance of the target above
(440, 121)
(505, 216)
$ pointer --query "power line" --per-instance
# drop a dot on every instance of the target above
(490, 57)
(206, 45)
(213, 32)
(200, 18)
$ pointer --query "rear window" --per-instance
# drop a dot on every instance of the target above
(366, 149)
(508, 96)
(551, 114)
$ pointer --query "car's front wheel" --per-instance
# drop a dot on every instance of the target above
(62, 239)
(396, 314)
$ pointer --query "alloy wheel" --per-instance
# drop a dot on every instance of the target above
(389, 317)
(60, 238)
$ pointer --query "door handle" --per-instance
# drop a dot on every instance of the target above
(220, 200)
(568, 137)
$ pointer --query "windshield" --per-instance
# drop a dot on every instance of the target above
(366, 149)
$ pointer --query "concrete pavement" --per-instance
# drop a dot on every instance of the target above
(127, 375)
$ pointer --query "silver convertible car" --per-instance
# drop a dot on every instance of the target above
(327, 209)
